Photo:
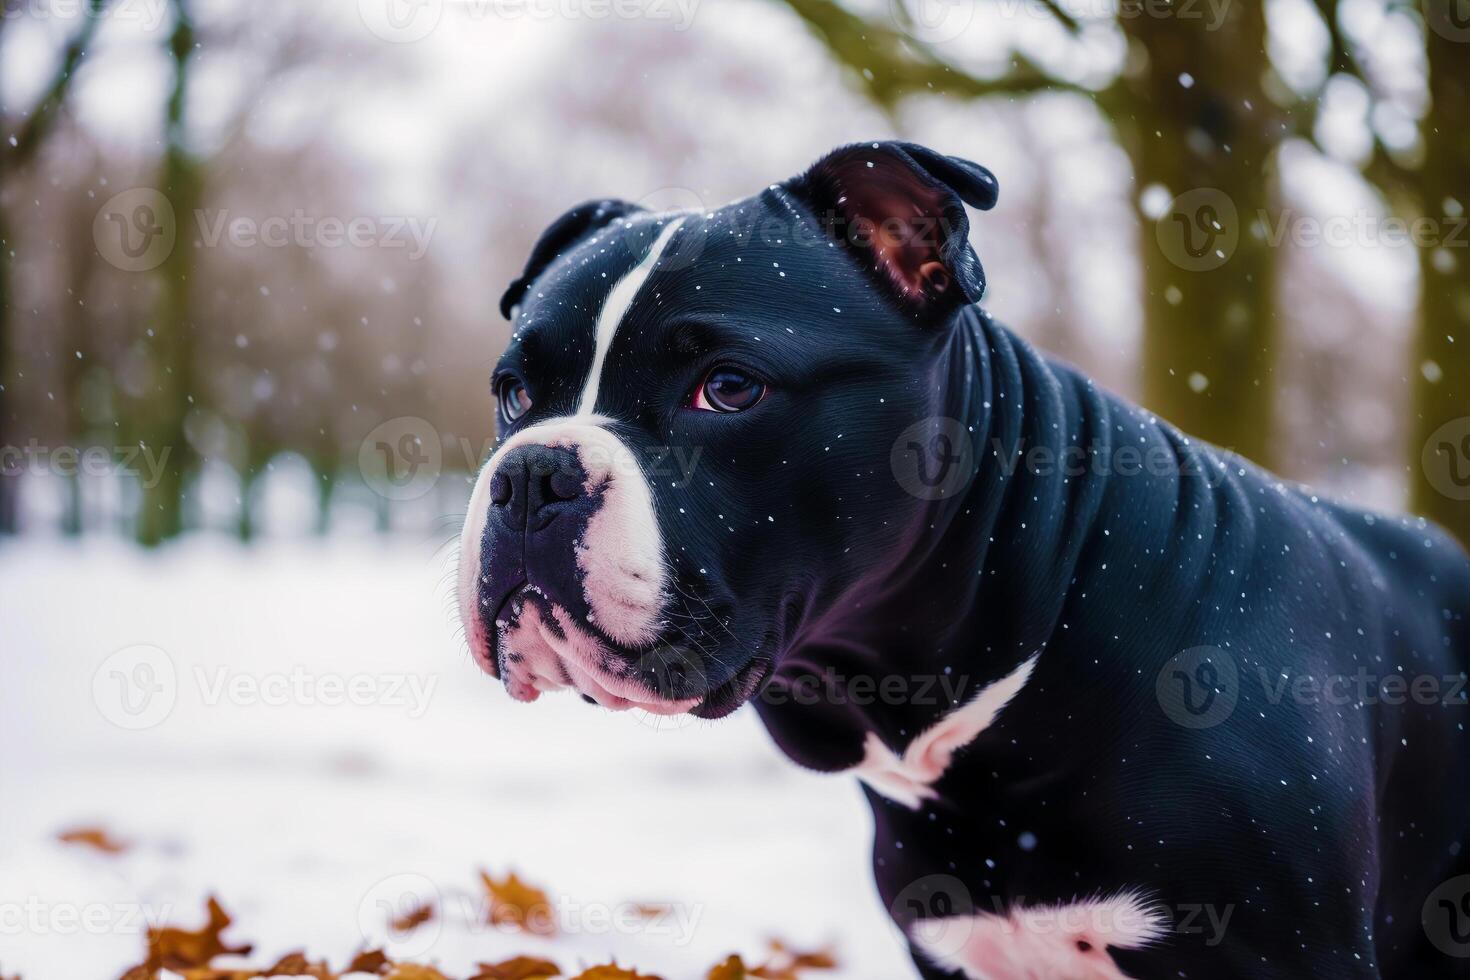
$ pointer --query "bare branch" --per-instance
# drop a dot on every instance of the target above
(892, 65)
(36, 125)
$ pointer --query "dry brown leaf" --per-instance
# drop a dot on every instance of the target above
(96, 838)
(413, 918)
(369, 961)
(519, 968)
(652, 910)
(821, 959)
(297, 965)
(519, 905)
(612, 972)
(732, 969)
(181, 949)
(788, 964)
(414, 971)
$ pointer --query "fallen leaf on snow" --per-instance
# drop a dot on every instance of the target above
(519, 905)
(96, 838)
(520, 968)
(732, 969)
(788, 964)
(297, 965)
(414, 971)
(181, 949)
(369, 961)
(413, 918)
(613, 972)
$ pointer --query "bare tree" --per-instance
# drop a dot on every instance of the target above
(16, 153)
(1442, 393)
(1192, 114)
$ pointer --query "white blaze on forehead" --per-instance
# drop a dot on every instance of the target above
(614, 308)
(621, 553)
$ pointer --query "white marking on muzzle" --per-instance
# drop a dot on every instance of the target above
(614, 308)
(620, 554)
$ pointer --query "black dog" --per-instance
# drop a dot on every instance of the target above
(1125, 706)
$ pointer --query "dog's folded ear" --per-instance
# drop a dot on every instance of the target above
(563, 233)
(900, 208)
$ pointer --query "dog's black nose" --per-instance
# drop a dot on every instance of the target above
(530, 483)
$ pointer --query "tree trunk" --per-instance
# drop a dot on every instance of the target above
(1440, 450)
(1197, 123)
(20, 151)
(8, 482)
(162, 415)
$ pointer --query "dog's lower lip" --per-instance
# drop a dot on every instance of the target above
(734, 692)
(494, 631)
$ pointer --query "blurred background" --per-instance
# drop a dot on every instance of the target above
(249, 263)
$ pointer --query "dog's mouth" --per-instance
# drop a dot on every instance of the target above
(740, 688)
(537, 646)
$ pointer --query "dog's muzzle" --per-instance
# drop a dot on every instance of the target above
(562, 580)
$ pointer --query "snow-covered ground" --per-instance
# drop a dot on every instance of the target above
(297, 728)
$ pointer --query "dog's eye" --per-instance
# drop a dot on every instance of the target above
(727, 389)
(515, 400)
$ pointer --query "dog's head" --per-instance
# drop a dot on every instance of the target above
(696, 412)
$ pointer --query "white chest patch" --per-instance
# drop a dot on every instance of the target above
(909, 779)
(1046, 942)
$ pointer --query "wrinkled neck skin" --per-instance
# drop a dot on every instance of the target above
(979, 586)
